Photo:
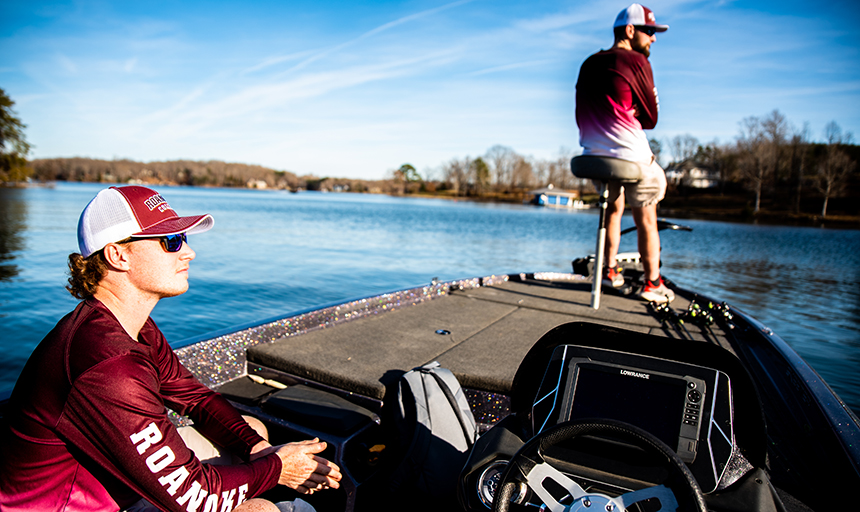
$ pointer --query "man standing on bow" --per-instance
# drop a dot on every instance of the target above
(87, 427)
(615, 101)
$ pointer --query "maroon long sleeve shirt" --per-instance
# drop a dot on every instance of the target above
(615, 100)
(87, 426)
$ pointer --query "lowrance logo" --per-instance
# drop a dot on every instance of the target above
(635, 374)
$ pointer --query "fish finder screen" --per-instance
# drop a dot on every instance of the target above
(655, 404)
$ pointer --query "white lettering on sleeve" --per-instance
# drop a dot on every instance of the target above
(243, 490)
(194, 497)
(227, 500)
(175, 479)
(160, 459)
(211, 503)
(146, 437)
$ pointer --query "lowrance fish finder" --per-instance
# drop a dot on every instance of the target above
(687, 407)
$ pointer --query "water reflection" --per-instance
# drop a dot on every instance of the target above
(13, 221)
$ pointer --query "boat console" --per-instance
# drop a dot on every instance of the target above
(618, 418)
(687, 407)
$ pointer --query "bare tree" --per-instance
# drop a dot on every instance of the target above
(833, 134)
(502, 159)
(557, 171)
(456, 174)
(760, 147)
(522, 175)
(750, 146)
(836, 165)
(799, 151)
(561, 169)
(542, 172)
(775, 128)
(683, 147)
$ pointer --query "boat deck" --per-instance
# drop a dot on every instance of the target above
(482, 328)
(481, 333)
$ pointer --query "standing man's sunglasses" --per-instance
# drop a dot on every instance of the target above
(648, 31)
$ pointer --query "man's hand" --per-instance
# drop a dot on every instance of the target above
(303, 470)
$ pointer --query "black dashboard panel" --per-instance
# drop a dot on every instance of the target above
(686, 406)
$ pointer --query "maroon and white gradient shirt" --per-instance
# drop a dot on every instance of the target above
(87, 428)
(613, 86)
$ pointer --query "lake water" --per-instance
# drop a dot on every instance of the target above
(272, 253)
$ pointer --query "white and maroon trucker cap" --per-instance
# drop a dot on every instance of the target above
(117, 213)
(640, 16)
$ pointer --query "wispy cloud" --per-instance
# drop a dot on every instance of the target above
(273, 61)
(197, 111)
(512, 66)
(67, 64)
(376, 31)
(440, 82)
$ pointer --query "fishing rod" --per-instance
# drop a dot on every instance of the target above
(703, 317)
(661, 225)
(667, 315)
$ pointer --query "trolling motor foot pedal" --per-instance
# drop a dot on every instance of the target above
(632, 272)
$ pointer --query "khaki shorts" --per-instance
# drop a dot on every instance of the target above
(650, 190)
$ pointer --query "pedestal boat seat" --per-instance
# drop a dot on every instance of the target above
(604, 169)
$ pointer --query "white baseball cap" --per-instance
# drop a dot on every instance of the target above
(639, 16)
(118, 213)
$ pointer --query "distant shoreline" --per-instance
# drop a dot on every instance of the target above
(709, 207)
(699, 206)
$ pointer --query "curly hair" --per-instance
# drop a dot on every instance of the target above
(85, 274)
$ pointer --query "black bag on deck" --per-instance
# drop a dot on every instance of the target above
(436, 425)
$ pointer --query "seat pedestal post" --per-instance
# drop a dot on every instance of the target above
(597, 275)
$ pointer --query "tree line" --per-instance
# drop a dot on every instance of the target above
(771, 161)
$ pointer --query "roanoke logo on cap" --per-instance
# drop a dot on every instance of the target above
(118, 213)
(157, 201)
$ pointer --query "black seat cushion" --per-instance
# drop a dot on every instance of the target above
(604, 168)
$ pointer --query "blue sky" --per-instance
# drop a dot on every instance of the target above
(355, 89)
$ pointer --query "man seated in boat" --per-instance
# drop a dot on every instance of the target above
(87, 427)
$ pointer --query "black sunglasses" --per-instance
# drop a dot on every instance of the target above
(649, 31)
(171, 243)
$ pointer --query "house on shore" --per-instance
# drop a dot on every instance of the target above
(690, 174)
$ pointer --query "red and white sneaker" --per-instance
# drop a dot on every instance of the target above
(612, 277)
(656, 291)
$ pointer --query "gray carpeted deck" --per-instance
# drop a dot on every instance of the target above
(491, 329)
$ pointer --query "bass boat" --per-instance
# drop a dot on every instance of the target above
(689, 405)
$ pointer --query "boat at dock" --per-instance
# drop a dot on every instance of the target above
(556, 198)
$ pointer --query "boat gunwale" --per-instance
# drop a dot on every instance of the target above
(842, 420)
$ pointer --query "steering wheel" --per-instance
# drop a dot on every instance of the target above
(528, 467)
